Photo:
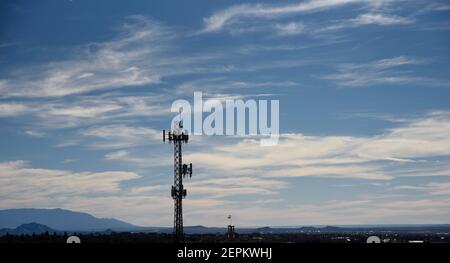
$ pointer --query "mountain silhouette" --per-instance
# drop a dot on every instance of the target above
(27, 229)
(60, 219)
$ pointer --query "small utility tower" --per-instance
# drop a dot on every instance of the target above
(230, 233)
(178, 136)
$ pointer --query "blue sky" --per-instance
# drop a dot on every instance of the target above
(86, 88)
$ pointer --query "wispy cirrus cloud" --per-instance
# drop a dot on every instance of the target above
(221, 85)
(376, 18)
(290, 29)
(121, 136)
(230, 15)
(236, 186)
(99, 193)
(17, 178)
(384, 71)
(139, 159)
(142, 53)
(272, 19)
(432, 188)
(86, 110)
(380, 19)
(118, 63)
(395, 153)
(12, 109)
(296, 156)
(33, 133)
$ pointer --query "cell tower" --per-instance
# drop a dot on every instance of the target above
(178, 136)
(230, 233)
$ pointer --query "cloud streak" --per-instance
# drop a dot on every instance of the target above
(384, 71)
(121, 136)
(380, 19)
(141, 54)
(18, 180)
(118, 63)
(220, 19)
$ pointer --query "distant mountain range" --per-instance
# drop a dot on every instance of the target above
(27, 229)
(28, 221)
(60, 219)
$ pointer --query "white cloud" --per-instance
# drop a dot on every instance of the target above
(33, 133)
(439, 7)
(380, 19)
(394, 62)
(380, 157)
(433, 188)
(121, 136)
(250, 18)
(149, 188)
(291, 28)
(439, 188)
(83, 112)
(215, 86)
(86, 110)
(384, 71)
(230, 15)
(116, 155)
(122, 62)
(12, 109)
(98, 193)
(407, 187)
(235, 186)
(18, 181)
(140, 160)
(101, 194)
(142, 54)
(70, 160)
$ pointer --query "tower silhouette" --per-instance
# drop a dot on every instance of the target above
(178, 136)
